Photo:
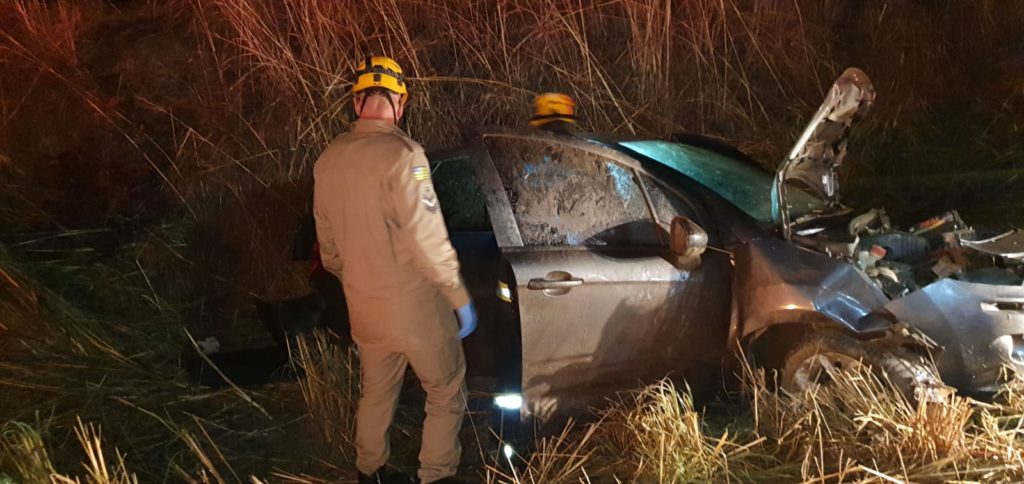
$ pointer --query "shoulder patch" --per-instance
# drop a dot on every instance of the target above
(421, 173)
(428, 197)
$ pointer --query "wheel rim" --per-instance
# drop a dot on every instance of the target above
(817, 369)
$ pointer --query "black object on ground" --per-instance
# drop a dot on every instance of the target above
(286, 320)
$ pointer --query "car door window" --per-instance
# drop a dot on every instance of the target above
(562, 195)
(460, 196)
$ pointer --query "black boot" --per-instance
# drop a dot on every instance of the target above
(384, 476)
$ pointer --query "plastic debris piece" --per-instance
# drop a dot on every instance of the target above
(888, 273)
(209, 345)
(867, 259)
(1009, 244)
(946, 267)
(950, 219)
(873, 221)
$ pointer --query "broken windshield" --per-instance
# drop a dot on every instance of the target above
(747, 187)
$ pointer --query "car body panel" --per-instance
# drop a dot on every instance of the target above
(635, 318)
(815, 158)
(979, 327)
(780, 283)
(631, 315)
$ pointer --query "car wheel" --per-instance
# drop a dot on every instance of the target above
(807, 366)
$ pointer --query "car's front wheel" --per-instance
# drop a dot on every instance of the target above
(816, 359)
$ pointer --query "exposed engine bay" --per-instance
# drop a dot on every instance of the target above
(903, 261)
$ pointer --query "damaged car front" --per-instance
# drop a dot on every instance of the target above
(940, 288)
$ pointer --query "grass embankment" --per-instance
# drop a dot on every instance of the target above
(154, 162)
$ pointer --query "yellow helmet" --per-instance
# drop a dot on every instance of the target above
(553, 106)
(380, 72)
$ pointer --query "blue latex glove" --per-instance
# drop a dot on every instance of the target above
(467, 319)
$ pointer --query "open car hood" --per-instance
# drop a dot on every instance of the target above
(821, 148)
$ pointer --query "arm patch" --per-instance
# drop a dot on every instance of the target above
(421, 173)
(428, 197)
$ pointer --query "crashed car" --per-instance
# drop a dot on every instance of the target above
(599, 262)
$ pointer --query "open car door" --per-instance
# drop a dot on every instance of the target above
(601, 305)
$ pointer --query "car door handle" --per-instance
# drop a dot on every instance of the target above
(541, 284)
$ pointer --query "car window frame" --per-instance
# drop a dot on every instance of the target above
(696, 212)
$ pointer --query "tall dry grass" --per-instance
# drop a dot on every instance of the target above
(567, 457)
(665, 439)
(330, 389)
(75, 364)
(22, 448)
(639, 66)
(861, 429)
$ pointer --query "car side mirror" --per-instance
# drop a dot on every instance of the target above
(687, 241)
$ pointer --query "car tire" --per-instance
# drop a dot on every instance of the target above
(910, 373)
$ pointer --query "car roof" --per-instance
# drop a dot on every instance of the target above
(714, 145)
(709, 143)
(609, 142)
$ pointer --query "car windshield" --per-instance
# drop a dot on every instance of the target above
(747, 187)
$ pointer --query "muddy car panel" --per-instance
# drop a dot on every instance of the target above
(600, 305)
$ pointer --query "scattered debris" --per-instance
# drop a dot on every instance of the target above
(903, 261)
(209, 345)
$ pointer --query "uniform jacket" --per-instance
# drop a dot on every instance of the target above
(381, 232)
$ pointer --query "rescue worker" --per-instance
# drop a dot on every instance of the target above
(554, 111)
(381, 232)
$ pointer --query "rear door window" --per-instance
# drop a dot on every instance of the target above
(565, 196)
(458, 192)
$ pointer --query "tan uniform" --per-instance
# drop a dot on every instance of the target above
(381, 232)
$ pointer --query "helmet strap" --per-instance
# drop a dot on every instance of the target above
(377, 91)
(394, 110)
(362, 105)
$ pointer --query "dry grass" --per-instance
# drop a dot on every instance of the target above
(78, 366)
(330, 388)
(22, 449)
(561, 458)
(860, 430)
(665, 439)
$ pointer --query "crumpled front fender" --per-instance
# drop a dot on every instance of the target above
(779, 282)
